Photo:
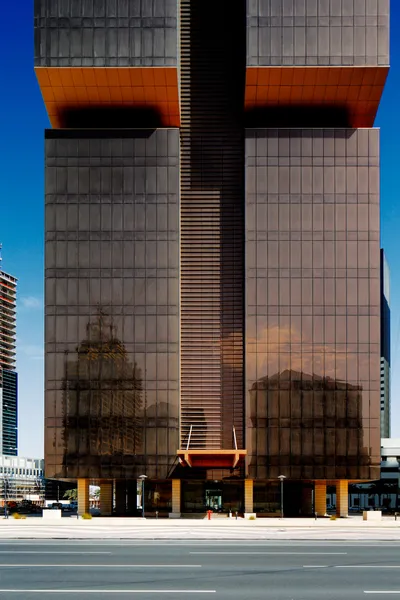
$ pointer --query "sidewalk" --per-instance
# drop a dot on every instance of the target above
(187, 530)
(117, 522)
(33, 521)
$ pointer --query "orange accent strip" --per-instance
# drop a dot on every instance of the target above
(81, 87)
(2, 284)
(358, 89)
(211, 458)
(7, 300)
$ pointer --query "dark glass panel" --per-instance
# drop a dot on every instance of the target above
(145, 34)
(107, 350)
(317, 32)
(312, 373)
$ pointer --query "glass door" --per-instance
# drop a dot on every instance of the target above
(214, 500)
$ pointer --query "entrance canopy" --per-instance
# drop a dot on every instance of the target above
(217, 459)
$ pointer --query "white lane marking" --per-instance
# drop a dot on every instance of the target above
(367, 566)
(381, 592)
(38, 566)
(9, 591)
(277, 553)
(48, 552)
(92, 543)
(196, 543)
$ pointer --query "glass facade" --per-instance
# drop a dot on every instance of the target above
(312, 303)
(317, 32)
(218, 496)
(105, 33)
(8, 374)
(9, 407)
(112, 303)
(212, 247)
(385, 347)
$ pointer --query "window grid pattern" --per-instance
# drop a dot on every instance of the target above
(100, 33)
(313, 303)
(112, 303)
(317, 32)
(9, 407)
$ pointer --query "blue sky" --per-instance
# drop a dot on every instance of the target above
(22, 123)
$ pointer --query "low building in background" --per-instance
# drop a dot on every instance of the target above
(382, 494)
(21, 479)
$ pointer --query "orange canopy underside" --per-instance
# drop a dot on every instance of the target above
(154, 88)
(357, 89)
(212, 459)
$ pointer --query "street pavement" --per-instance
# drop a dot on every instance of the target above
(284, 570)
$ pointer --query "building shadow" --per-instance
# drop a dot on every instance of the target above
(110, 117)
(298, 116)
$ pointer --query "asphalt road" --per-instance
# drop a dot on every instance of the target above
(221, 570)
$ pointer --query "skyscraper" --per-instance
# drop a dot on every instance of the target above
(213, 193)
(8, 374)
(385, 347)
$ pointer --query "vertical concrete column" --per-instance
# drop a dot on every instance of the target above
(176, 499)
(320, 498)
(120, 497)
(83, 496)
(342, 498)
(248, 496)
(106, 499)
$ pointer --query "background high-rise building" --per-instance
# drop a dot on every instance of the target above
(8, 374)
(385, 347)
(212, 248)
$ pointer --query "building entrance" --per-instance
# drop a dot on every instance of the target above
(214, 500)
(219, 496)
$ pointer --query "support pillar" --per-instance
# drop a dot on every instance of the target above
(320, 498)
(83, 496)
(306, 502)
(106, 499)
(248, 497)
(120, 498)
(132, 494)
(342, 498)
(176, 499)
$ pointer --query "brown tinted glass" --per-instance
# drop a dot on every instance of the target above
(112, 313)
(312, 349)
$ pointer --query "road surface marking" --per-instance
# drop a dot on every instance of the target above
(367, 566)
(5, 566)
(382, 592)
(48, 552)
(9, 591)
(277, 553)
